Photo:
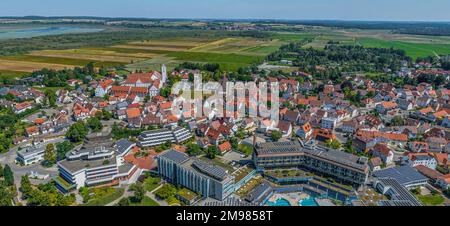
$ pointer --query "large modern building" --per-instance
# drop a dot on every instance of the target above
(31, 155)
(196, 175)
(98, 162)
(342, 166)
(157, 137)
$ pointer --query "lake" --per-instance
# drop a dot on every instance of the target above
(8, 33)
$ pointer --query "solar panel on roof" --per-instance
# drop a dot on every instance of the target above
(175, 156)
(404, 174)
(210, 170)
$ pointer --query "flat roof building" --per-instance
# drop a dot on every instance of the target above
(199, 176)
(157, 137)
(341, 165)
(31, 155)
(97, 163)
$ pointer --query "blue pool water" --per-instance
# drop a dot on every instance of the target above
(279, 202)
(308, 202)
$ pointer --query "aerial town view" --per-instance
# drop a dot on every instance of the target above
(226, 104)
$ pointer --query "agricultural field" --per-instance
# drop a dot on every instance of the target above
(414, 45)
(413, 50)
(28, 66)
(230, 52)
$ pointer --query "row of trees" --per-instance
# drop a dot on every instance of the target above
(7, 188)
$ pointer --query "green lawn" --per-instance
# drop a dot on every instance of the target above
(151, 183)
(248, 150)
(413, 50)
(102, 196)
(431, 200)
(146, 201)
(187, 194)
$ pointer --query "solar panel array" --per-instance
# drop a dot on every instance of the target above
(405, 175)
(402, 194)
(228, 202)
(213, 171)
(176, 156)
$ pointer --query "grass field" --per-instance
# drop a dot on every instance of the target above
(431, 200)
(146, 201)
(413, 50)
(11, 74)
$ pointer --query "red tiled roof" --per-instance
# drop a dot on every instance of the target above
(133, 113)
(226, 146)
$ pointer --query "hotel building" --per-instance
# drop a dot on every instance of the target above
(342, 166)
(201, 177)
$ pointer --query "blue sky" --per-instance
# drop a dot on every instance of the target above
(418, 10)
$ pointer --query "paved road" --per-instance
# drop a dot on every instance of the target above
(19, 171)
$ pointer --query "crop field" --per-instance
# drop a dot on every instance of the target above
(230, 53)
(53, 62)
(28, 66)
(413, 50)
(87, 56)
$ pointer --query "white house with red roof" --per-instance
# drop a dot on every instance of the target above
(103, 87)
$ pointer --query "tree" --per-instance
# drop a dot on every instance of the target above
(50, 155)
(8, 176)
(139, 192)
(333, 143)
(62, 148)
(124, 202)
(25, 186)
(94, 124)
(166, 191)
(77, 132)
(1, 170)
(193, 149)
(6, 195)
(51, 97)
(107, 115)
(211, 152)
(234, 143)
(275, 136)
(397, 121)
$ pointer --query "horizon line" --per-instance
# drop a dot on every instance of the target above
(230, 19)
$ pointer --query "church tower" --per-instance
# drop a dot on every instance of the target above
(164, 74)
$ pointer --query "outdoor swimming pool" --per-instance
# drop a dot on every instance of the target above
(279, 202)
(308, 202)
